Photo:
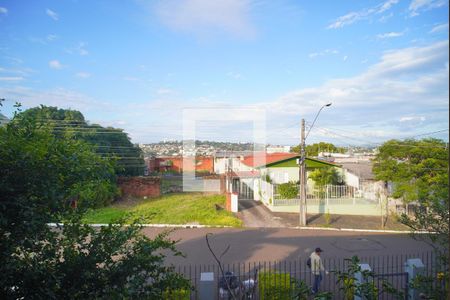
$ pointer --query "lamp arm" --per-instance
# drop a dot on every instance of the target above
(314, 121)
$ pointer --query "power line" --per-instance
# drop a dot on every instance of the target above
(428, 133)
(396, 144)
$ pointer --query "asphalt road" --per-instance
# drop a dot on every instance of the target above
(275, 244)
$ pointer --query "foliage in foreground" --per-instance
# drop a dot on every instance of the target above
(366, 289)
(40, 175)
(418, 171)
(80, 262)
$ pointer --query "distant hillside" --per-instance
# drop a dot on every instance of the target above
(172, 148)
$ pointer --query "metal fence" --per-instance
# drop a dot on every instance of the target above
(287, 279)
(328, 195)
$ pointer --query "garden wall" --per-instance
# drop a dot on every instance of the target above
(140, 186)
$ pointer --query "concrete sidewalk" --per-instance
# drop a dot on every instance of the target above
(254, 214)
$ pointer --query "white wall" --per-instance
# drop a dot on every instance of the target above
(351, 179)
(282, 175)
(221, 165)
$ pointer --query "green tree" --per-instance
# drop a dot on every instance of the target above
(314, 149)
(109, 142)
(325, 175)
(418, 171)
(39, 175)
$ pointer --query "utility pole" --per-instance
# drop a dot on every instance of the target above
(302, 171)
(302, 176)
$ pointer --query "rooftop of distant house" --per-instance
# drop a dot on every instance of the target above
(363, 169)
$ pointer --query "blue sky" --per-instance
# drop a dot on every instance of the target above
(138, 64)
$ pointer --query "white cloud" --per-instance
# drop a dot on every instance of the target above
(11, 78)
(3, 10)
(83, 75)
(417, 6)
(412, 118)
(323, 53)
(59, 97)
(439, 28)
(345, 58)
(51, 37)
(52, 14)
(206, 17)
(387, 5)
(55, 64)
(404, 83)
(385, 18)
(355, 16)
(80, 49)
(389, 35)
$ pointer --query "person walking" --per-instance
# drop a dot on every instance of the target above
(316, 269)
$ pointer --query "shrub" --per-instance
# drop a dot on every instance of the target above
(275, 286)
(288, 190)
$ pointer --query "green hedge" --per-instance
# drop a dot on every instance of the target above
(288, 190)
(275, 286)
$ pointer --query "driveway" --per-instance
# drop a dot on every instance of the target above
(255, 214)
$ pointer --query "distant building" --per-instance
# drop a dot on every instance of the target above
(278, 149)
(175, 164)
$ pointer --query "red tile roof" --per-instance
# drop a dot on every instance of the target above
(261, 159)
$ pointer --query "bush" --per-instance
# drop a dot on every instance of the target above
(275, 286)
(288, 190)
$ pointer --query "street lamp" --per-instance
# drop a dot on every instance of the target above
(302, 171)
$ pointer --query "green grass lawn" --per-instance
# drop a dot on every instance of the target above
(181, 208)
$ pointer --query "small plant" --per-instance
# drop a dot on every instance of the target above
(327, 217)
(365, 289)
(267, 178)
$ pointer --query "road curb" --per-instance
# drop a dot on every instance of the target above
(192, 226)
(153, 225)
(359, 230)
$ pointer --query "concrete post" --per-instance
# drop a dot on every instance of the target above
(359, 277)
(206, 288)
(413, 267)
(234, 202)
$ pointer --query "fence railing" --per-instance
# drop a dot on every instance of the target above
(327, 195)
(283, 279)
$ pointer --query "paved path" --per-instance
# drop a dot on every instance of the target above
(255, 214)
(270, 244)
